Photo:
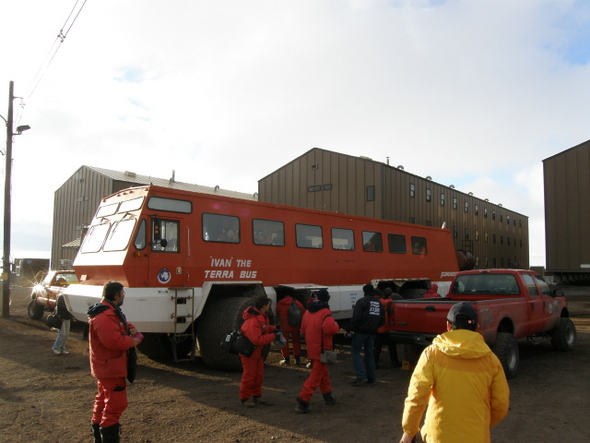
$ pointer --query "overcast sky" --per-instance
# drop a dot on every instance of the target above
(474, 93)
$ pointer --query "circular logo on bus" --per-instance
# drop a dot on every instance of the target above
(164, 276)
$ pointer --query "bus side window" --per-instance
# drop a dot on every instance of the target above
(164, 235)
(140, 240)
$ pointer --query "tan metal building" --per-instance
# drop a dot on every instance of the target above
(76, 201)
(330, 181)
(567, 214)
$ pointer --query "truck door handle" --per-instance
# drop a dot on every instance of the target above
(430, 308)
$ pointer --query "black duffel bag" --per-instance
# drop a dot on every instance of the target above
(54, 321)
(237, 343)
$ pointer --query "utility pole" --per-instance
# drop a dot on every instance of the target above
(7, 193)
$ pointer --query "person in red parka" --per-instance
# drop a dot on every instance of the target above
(432, 292)
(382, 337)
(288, 329)
(318, 327)
(109, 339)
(260, 332)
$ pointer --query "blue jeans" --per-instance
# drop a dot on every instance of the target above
(62, 336)
(364, 369)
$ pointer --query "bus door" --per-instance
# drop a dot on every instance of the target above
(168, 254)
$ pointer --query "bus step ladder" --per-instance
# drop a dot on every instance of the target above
(183, 296)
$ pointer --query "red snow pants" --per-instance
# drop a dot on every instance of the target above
(252, 376)
(318, 377)
(110, 402)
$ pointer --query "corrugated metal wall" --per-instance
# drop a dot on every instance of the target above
(567, 209)
(75, 203)
(330, 181)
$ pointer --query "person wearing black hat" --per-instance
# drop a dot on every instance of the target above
(368, 315)
(318, 327)
(462, 383)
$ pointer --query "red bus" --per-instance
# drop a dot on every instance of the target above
(192, 262)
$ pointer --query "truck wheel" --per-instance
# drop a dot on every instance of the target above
(506, 349)
(220, 317)
(412, 353)
(160, 346)
(563, 338)
(35, 310)
(412, 293)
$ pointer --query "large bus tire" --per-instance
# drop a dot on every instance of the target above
(160, 346)
(220, 317)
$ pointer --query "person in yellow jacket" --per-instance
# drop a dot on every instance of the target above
(461, 381)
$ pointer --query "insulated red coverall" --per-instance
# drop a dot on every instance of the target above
(108, 343)
(317, 325)
(260, 332)
(293, 331)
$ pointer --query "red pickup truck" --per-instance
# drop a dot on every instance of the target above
(44, 294)
(511, 304)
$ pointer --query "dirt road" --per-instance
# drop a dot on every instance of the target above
(48, 398)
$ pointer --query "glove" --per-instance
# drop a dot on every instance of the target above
(278, 335)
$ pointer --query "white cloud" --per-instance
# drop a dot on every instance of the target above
(473, 93)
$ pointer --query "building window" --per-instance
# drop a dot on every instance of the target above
(501, 217)
(454, 202)
(485, 237)
(507, 219)
(476, 209)
(508, 241)
(428, 195)
(412, 190)
(501, 239)
(413, 220)
(370, 193)
(494, 238)
(466, 233)
(493, 215)
(455, 232)
(477, 235)
(485, 212)
(428, 223)
(519, 223)
(328, 187)
(314, 188)
(466, 206)
(442, 199)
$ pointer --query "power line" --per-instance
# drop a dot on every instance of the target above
(75, 12)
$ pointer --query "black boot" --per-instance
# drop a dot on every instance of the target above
(302, 406)
(110, 434)
(96, 432)
(329, 399)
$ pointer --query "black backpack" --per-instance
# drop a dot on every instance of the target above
(294, 314)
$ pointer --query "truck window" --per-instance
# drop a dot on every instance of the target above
(419, 246)
(372, 241)
(221, 228)
(530, 284)
(140, 240)
(545, 289)
(168, 241)
(131, 205)
(170, 205)
(497, 284)
(309, 236)
(268, 232)
(105, 211)
(119, 235)
(95, 238)
(397, 243)
(343, 239)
